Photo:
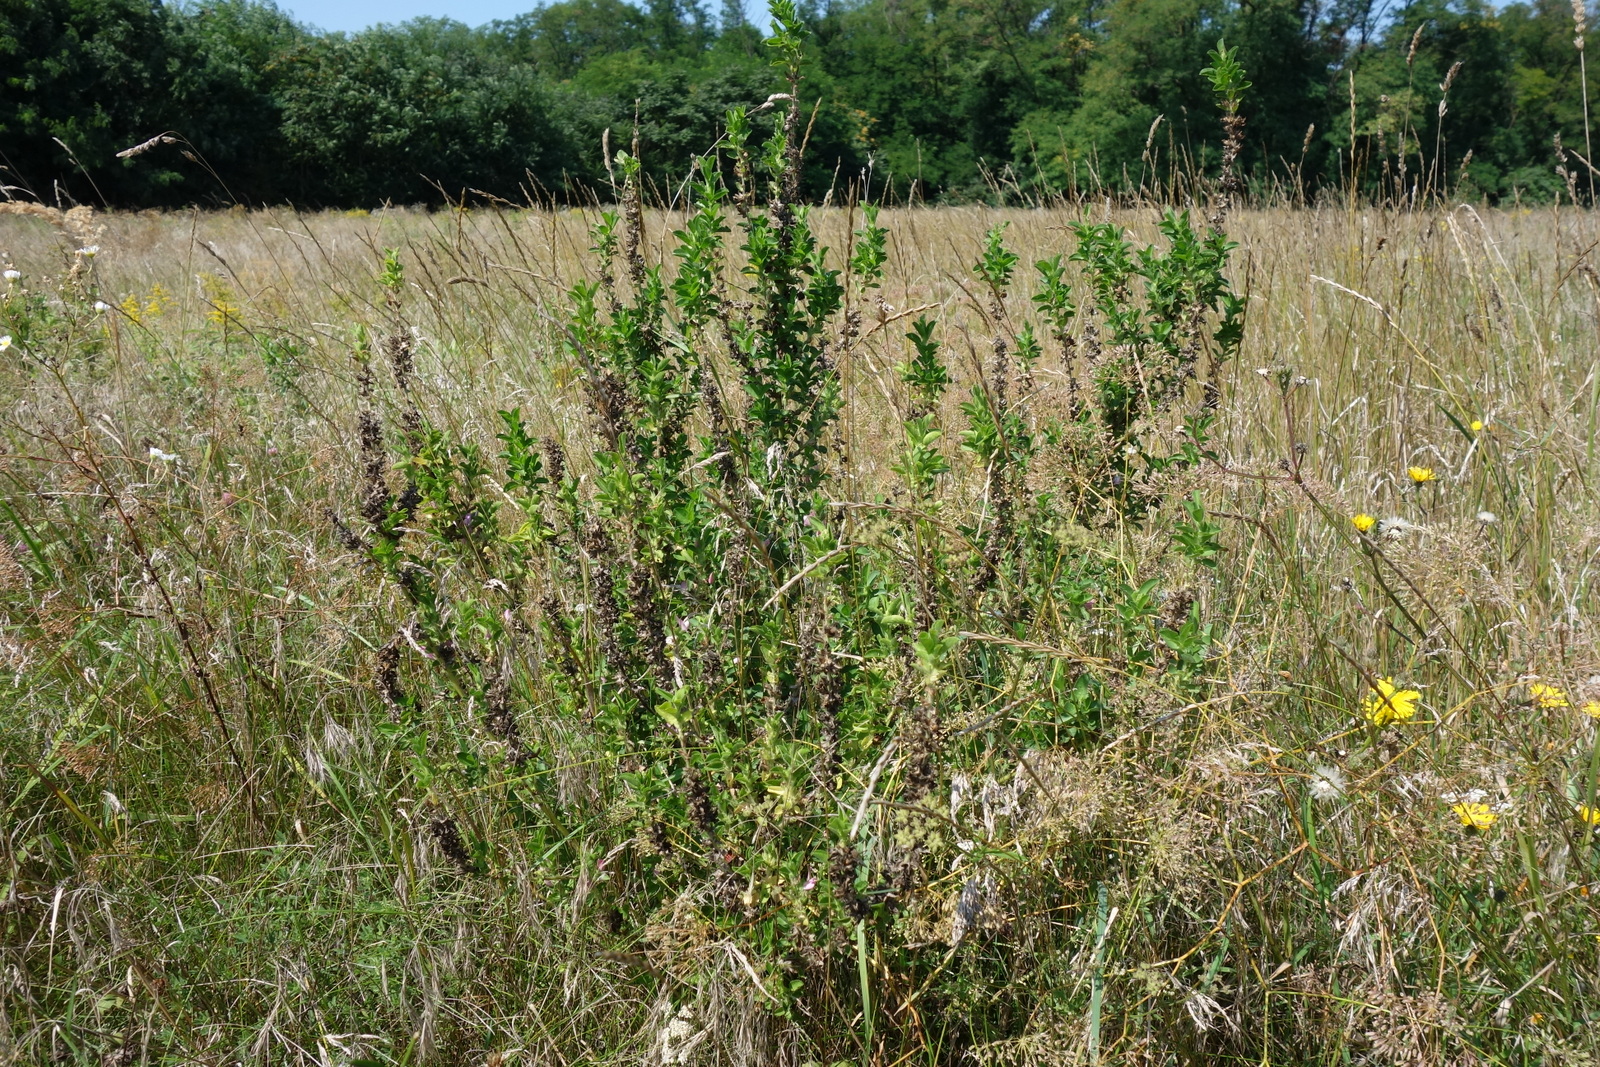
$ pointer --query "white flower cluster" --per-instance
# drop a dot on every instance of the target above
(677, 1039)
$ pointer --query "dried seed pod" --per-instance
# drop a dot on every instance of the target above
(555, 461)
(387, 677)
(501, 721)
(374, 469)
(842, 864)
(697, 801)
(448, 837)
(651, 635)
(342, 533)
(597, 543)
(1176, 609)
(828, 684)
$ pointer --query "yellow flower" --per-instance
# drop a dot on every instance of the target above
(222, 310)
(1589, 815)
(1548, 696)
(1364, 522)
(1477, 816)
(1388, 703)
(131, 308)
(160, 301)
(1592, 709)
(1477, 425)
(1422, 474)
(222, 313)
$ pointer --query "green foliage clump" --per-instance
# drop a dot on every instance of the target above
(738, 654)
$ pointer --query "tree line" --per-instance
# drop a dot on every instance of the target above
(232, 101)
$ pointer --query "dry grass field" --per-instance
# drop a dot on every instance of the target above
(966, 764)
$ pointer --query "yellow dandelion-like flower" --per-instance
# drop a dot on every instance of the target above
(1477, 816)
(1477, 425)
(1364, 522)
(1592, 709)
(1388, 703)
(1589, 815)
(1421, 474)
(1548, 696)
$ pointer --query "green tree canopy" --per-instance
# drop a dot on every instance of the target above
(951, 98)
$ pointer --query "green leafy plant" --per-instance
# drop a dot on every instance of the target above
(771, 685)
(1226, 76)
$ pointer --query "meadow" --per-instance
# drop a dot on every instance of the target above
(950, 660)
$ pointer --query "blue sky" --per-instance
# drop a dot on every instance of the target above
(350, 15)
